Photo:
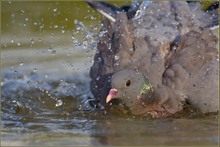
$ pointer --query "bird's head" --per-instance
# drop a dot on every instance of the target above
(129, 86)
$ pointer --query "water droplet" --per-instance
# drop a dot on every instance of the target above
(12, 41)
(76, 21)
(116, 64)
(174, 47)
(95, 28)
(99, 59)
(41, 26)
(55, 9)
(18, 44)
(22, 63)
(53, 52)
(137, 71)
(20, 104)
(49, 49)
(109, 45)
(92, 18)
(138, 12)
(78, 28)
(59, 103)
(102, 33)
(80, 107)
(116, 57)
(98, 78)
(32, 40)
(55, 26)
(26, 19)
(22, 11)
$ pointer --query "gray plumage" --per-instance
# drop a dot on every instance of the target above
(166, 44)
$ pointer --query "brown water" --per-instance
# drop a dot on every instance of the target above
(47, 49)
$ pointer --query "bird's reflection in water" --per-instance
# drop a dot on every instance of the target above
(144, 131)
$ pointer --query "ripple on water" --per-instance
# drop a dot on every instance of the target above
(32, 98)
(39, 110)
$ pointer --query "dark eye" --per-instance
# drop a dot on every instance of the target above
(128, 83)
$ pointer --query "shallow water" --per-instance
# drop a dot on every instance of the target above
(45, 86)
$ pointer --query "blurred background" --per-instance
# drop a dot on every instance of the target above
(54, 27)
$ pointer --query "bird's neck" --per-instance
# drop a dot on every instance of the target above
(145, 87)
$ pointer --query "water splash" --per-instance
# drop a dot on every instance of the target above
(84, 36)
(141, 12)
(59, 103)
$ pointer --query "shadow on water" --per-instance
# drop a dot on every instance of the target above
(45, 85)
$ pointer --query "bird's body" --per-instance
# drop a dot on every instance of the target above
(157, 59)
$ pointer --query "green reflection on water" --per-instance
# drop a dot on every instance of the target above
(25, 16)
(30, 24)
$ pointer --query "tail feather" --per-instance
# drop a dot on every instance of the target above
(106, 9)
(110, 11)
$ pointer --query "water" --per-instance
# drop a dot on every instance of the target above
(45, 85)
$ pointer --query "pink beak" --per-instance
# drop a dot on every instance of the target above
(111, 95)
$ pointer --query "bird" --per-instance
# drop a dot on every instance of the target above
(154, 57)
(193, 78)
(136, 93)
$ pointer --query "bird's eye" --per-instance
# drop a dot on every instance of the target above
(128, 83)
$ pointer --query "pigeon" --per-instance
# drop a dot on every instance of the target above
(183, 78)
(155, 56)
(136, 93)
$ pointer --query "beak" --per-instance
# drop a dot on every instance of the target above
(109, 98)
(111, 95)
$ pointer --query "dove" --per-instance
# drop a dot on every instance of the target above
(136, 93)
(156, 58)
(186, 77)
(129, 83)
